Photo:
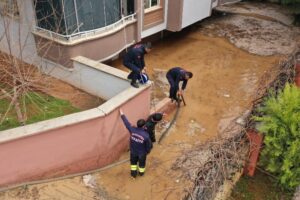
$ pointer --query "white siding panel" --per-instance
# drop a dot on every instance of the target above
(195, 10)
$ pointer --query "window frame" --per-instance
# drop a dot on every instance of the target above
(151, 7)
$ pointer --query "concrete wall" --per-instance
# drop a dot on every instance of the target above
(73, 143)
(19, 34)
(154, 16)
(175, 8)
(98, 47)
(159, 24)
(91, 76)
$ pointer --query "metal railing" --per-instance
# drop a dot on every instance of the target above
(85, 34)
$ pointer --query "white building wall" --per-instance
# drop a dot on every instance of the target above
(18, 35)
(91, 76)
(195, 10)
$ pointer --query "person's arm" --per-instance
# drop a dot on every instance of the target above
(126, 122)
(138, 57)
(184, 84)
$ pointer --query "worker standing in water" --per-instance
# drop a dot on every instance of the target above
(151, 123)
(134, 60)
(174, 76)
(140, 146)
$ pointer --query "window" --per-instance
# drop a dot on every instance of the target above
(9, 7)
(127, 7)
(72, 16)
(150, 3)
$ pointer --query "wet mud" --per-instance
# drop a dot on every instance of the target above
(223, 87)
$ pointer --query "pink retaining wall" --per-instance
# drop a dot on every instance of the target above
(74, 148)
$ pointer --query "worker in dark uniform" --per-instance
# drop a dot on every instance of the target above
(151, 123)
(134, 60)
(174, 76)
(140, 146)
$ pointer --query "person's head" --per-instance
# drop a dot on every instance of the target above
(140, 123)
(148, 47)
(157, 117)
(188, 75)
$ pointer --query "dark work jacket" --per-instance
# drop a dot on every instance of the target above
(135, 55)
(177, 74)
(140, 143)
(150, 124)
(150, 128)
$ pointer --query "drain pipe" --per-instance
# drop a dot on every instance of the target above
(171, 124)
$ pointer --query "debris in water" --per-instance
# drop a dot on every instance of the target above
(195, 127)
(89, 181)
(241, 120)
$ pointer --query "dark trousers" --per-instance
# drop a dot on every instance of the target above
(152, 136)
(137, 163)
(135, 71)
(173, 88)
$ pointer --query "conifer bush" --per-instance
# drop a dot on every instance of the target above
(280, 124)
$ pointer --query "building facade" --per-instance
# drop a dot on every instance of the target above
(58, 30)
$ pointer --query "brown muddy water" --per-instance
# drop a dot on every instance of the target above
(225, 79)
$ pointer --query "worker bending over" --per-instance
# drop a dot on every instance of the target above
(134, 60)
(174, 76)
(151, 123)
(140, 145)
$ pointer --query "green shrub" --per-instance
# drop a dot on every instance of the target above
(280, 124)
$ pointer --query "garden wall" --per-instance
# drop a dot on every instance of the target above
(80, 141)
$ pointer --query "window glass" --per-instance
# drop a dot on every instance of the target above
(150, 3)
(130, 7)
(50, 16)
(90, 14)
(9, 7)
(78, 15)
(112, 11)
(70, 17)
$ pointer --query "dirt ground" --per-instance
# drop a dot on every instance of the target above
(59, 89)
(226, 76)
(75, 96)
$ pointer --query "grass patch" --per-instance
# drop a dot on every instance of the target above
(259, 187)
(38, 107)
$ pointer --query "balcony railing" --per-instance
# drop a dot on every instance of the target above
(85, 34)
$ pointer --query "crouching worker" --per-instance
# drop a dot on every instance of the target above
(151, 123)
(140, 146)
(174, 76)
(134, 60)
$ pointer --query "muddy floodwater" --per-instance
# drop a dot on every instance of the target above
(225, 81)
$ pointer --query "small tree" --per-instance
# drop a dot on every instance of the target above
(18, 80)
(280, 124)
